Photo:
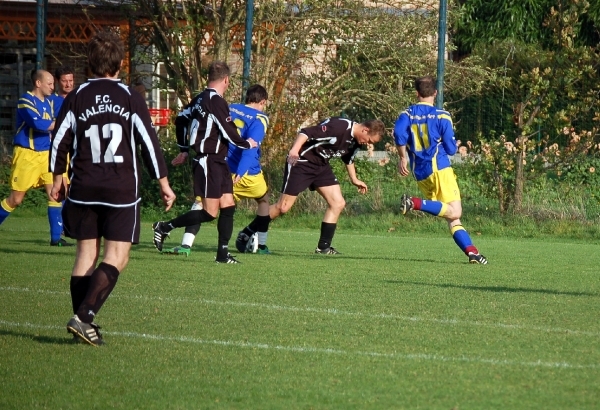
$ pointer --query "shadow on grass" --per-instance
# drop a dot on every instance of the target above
(66, 340)
(504, 289)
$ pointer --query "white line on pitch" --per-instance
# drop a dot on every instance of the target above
(305, 349)
(416, 319)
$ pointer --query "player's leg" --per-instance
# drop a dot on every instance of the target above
(254, 187)
(225, 226)
(444, 190)
(203, 176)
(86, 258)
(190, 234)
(335, 205)
(296, 179)
(10, 203)
(25, 162)
(55, 219)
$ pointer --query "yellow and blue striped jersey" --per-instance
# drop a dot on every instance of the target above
(34, 117)
(428, 135)
(251, 123)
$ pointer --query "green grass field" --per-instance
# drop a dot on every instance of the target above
(398, 321)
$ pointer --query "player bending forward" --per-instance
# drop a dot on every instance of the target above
(101, 125)
(248, 179)
(425, 133)
(308, 167)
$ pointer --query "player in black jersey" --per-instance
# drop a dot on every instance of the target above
(308, 167)
(101, 125)
(211, 131)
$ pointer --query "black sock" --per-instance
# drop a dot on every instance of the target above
(258, 224)
(225, 228)
(189, 218)
(194, 229)
(79, 286)
(102, 282)
(327, 232)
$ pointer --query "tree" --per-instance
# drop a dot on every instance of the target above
(550, 90)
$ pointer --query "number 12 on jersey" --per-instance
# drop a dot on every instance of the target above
(112, 131)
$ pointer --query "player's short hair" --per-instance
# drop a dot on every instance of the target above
(218, 70)
(256, 93)
(376, 127)
(62, 70)
(425, 86)
(36, 75)
(105, 53)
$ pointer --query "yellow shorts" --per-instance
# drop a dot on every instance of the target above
(250, 186)
(29, 169)
(440, 186)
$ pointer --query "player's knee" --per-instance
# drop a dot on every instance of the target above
(338, 205)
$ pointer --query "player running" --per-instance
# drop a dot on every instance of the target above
(248, 178)
(425, 133)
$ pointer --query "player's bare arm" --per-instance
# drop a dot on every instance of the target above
(362, 187)
(403, 162)
(294, 153)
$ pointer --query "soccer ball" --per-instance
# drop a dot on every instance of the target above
(252, 245)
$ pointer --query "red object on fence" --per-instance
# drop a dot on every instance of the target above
(160, 116)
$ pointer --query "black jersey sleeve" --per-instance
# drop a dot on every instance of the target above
(145, 136)
(62, 137)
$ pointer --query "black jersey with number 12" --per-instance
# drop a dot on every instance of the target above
(101, 125)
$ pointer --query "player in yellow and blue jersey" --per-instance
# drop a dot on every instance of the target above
(425, 134)
(244, 164)
(35, 121)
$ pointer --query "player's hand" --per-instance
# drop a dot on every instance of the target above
(168, 197)
(292, 158)
(253, 144)
(236, 179)
(58, 191)
(181, 158)
(403, 167)
(362, 187)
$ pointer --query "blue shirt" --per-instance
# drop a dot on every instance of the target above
(34, 116)
(57, 100)
(427, 133)
(251, 123)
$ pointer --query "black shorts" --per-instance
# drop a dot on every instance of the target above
(100, 221)
(212, 177)
(306, 175)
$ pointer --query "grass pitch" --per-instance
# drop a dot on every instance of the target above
(397, 321)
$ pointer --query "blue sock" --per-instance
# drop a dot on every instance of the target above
(55, 220)
(432, 207)
(5, 210)
(463, 240)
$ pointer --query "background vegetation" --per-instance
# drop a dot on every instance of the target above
(522, 84)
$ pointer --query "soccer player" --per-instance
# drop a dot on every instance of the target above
(63, 77)
(248, 178)
(35, 121)
(308, 167)
(102, 124)
(425, 134)
(211, 131)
